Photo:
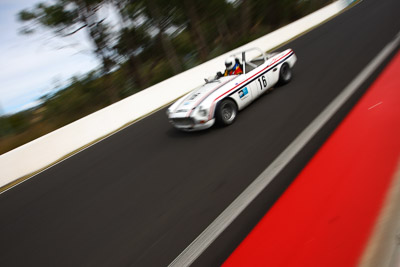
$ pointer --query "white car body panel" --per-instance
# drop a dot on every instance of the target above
(195, 111)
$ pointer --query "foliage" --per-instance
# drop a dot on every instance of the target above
(153, 40)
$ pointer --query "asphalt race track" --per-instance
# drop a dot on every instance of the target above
(139, 197)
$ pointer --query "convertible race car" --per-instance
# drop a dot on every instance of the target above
(221, 97)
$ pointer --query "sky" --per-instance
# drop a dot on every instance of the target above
(32, 66)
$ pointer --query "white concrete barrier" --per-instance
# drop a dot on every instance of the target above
(51, 147)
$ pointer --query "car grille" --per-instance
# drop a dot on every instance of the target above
(183, 122)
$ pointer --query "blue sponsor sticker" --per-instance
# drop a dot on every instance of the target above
(242, 93)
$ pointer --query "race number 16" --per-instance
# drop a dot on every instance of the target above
(263, 84)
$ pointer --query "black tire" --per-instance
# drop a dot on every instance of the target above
(285, 74)
(226, 112)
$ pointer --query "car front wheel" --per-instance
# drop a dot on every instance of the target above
(226, 112)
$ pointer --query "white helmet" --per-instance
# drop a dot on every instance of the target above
(229, 63)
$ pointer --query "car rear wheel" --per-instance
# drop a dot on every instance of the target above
(285, 74)
(226, 112)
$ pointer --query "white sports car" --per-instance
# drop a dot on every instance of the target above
(220, 98)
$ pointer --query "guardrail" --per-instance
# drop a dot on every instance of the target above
(50, 148)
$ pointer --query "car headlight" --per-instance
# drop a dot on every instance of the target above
(202, 112)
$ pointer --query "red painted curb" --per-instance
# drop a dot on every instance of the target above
(326, 216)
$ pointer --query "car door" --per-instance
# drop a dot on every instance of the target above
(245, 94)
(260, 84)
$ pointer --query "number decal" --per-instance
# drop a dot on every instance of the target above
(264, 82)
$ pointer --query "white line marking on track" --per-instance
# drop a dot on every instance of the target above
(205, 239)
(375, 105)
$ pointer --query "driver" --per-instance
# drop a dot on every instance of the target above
(233, 67)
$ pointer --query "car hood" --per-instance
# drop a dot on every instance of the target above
(194, 98)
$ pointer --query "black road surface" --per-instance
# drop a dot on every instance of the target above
(139, 197)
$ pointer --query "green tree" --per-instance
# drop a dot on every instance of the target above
(158, 16)
(190, 10)
(67, 17)
(130, 42)
(132, 39)
(220, 22)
